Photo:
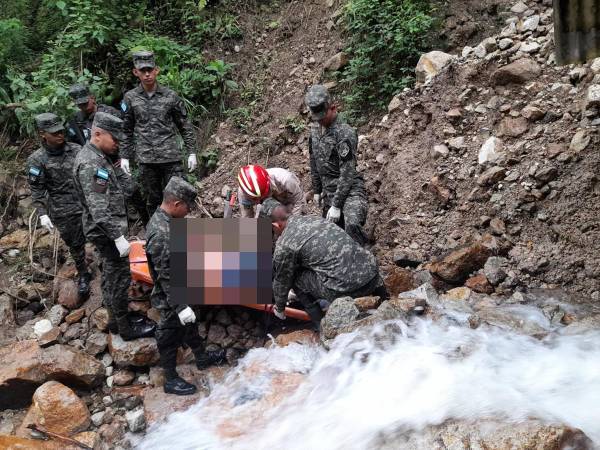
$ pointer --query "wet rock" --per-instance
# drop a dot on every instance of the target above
(96, 343)
(123, 377)
(459, 294)
(399, 280)
(341, 313)
(521, 319)
(586, 324)
(366, 303)
(68, 296)
(513, 126)
(139, 352)
(518, 72)
(491, 150)
(25, 366)
(491, 176)
(456, 266)
(430, 64)
(58, 409)
(136, 420)
(336, 62)
(299, 337)
(580, 141)
(494, 269)
(479, 283)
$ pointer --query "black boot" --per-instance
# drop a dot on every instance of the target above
(129, 331)
(178, 386)
(84, 285)
(315, 313)
(207, 359)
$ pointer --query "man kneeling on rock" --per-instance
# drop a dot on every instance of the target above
(319, 260)
(177, 322)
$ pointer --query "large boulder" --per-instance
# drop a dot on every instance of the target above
(56, 408)
(517, 72)
(430, 64)
(521, 319)
(139, 352)
(25, 365)
(457, 265)
(341, 313)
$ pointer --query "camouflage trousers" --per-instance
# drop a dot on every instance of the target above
(354, 216)
(170, 335)
(71, 231)
(116, 277)
(154, 178)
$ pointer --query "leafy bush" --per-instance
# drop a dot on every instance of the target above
(386, 39)
(240, 116)
(12, 43)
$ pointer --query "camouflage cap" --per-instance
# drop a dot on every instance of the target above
(49, 122)
(80, 93)
(182, 190)
(109, 123)
(143, 59)
(317, 99)
(267, 207)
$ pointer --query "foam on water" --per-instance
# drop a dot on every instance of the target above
(389, 378)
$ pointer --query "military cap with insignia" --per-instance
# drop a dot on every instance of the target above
(49, 122)
(317, 99)
(182, 190)
(80, 93)
(143, 59)
(109, 123)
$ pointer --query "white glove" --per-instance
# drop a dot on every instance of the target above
(333, 214)
(279, 314)
(46, 222)
(192, 162)
(187, 316)
(317, 199)
(122, 246)
(125, 166)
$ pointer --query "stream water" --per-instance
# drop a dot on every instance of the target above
(391, 377)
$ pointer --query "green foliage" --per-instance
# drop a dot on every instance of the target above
(13, 37)
(240, 116)
(386, 40)
(209, 159)
(295, 124)
(202, 25)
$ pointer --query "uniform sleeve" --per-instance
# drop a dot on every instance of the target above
(98, 202)
(246, 206)
(184, 126)
(346, 150)
(160, 257)
(125, 182)
(127, 147)
(285, 265)
(37, 183)
(315, 178)
(296, 194)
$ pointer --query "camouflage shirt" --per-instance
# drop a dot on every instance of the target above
(79, 129)
(333, 162)
(151, 123)
(103, 190)
(49, 173)
(313, 243)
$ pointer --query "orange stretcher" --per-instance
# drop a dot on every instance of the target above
(140, 272)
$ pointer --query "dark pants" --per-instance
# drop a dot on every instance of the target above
(170, 335)
(353, 218)
(154, 178)
(71, 231)
(138, 202)
(116, 277)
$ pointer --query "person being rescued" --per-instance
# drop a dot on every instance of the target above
(255, 184)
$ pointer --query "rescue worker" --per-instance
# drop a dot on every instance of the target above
(177, 321)
(255, 183)
(102, 189)
(152, 114)
(53, 191)
(332, 147)
(319, 261)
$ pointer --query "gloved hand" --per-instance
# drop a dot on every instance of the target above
(317, 199)
(125, 166)
(46, 222)
(192, 162)
(333, 214)
(187, 316)
(279, 313)
(122, 246)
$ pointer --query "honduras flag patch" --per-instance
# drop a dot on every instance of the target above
(102, 174)
(34, 171)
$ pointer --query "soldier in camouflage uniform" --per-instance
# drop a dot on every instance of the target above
(332, 147)
(152, 114)
(177, 321)
(102, 189)
(52, 190)
(319, 261)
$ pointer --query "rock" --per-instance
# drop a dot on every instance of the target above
(139, 352)
(461, 294)
(336, 62)
(298, 336)
(341, 313)
(56, 314)
(513, 126)
(58, 409)
(454, 115)
(123, 377)
(517, 72)
(497, 226)
(100, 319)
(25, 366)
(98, 418)
(479, 283)
(7, 319)
(75, 316)
(430, 64)
(407, 258)
(439, 188)
(68, 296)
(546, 174)
(530, 47)
(457, 265)
(439, 151)
(366, 303)
(586, 324)
(395, 104)
(532, 113)
(216, 334)
(480, 51)
(491, 150)
(457, 143)
(491, 176)
(592, 99)
(493, 270)
(519, 8)
(399, 280)
(580, 141)
(49, 338)
(136, 420)
(505, 43)
(41, 327)
(489, 44)
(530, 24)
(466, 51)
(96, 343)
(521, 319)
(553, 150)
(595, 66)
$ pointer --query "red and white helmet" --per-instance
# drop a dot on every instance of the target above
(254, 181)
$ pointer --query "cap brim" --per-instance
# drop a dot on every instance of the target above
(118, 135)
(144, 65)
(81, 100)
(55, 128)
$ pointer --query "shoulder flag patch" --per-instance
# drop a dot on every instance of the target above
(102, 173)
(34, 171)
(123, 106)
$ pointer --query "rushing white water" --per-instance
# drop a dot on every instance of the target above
(391, 377)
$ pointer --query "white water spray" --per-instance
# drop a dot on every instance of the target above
(391, 378)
